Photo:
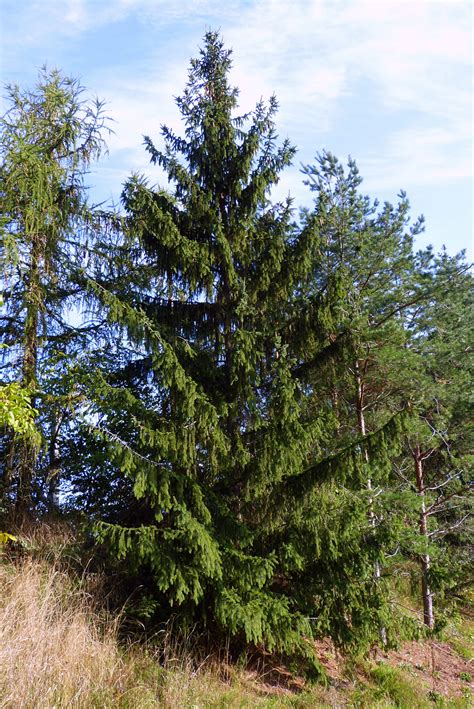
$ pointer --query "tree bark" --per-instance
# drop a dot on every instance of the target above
(425, 562)
(363, 431)
(54, 467)
(27, 453)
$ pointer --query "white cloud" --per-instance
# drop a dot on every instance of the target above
(414, 56)
(410, 50)
(417, 156)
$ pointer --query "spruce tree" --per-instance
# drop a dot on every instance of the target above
(213, 408)
(213, 413)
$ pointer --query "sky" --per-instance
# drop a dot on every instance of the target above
(387, 82)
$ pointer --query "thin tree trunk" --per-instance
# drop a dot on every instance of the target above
(428, 613)
(27, 453)
(8, 471)
(363, 431)
(54, 467)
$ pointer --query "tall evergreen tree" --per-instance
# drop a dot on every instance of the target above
(48, 138)
(365, 252)
(212, 424)
(208, 409)
(438, 462)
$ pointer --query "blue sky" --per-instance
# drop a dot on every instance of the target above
(388, 82)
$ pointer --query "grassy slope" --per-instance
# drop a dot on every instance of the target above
(57, 651)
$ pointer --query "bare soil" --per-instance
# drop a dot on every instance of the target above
(434, 664)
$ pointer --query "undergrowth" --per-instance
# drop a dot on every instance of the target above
(60, 648)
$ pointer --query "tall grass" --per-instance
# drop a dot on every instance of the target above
(57, 651)
(54, 650)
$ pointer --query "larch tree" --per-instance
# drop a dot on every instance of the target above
(48, 138)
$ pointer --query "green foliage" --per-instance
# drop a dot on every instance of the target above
(439, 389)
(17, 414)
(238, 413)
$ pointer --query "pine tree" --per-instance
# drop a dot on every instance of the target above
(366, 255)
(437, 466)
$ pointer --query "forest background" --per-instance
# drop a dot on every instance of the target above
(262, 417)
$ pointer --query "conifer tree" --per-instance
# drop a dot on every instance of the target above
(212, 426)
(437, 463)
(48, 138)
(408, 317)
(367, 250)
(213, 408)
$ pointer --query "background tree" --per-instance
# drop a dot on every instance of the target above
(437, 467)
(365, 266)
(400, 325)
(49, 136)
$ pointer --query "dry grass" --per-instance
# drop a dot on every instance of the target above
(54, 651)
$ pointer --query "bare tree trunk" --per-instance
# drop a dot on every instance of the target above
(54, 467)
(8, 471)
(428, 613)
(363, 431)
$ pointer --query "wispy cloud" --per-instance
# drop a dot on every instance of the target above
(412, 60)
(416, 57)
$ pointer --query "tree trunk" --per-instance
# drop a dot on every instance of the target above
(362, 429)
(8, 471)
(54, 467)
(27, 453)
(428, 613)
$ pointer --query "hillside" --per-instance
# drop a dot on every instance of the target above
(58, 648)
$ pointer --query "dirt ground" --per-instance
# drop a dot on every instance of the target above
(435, 664)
